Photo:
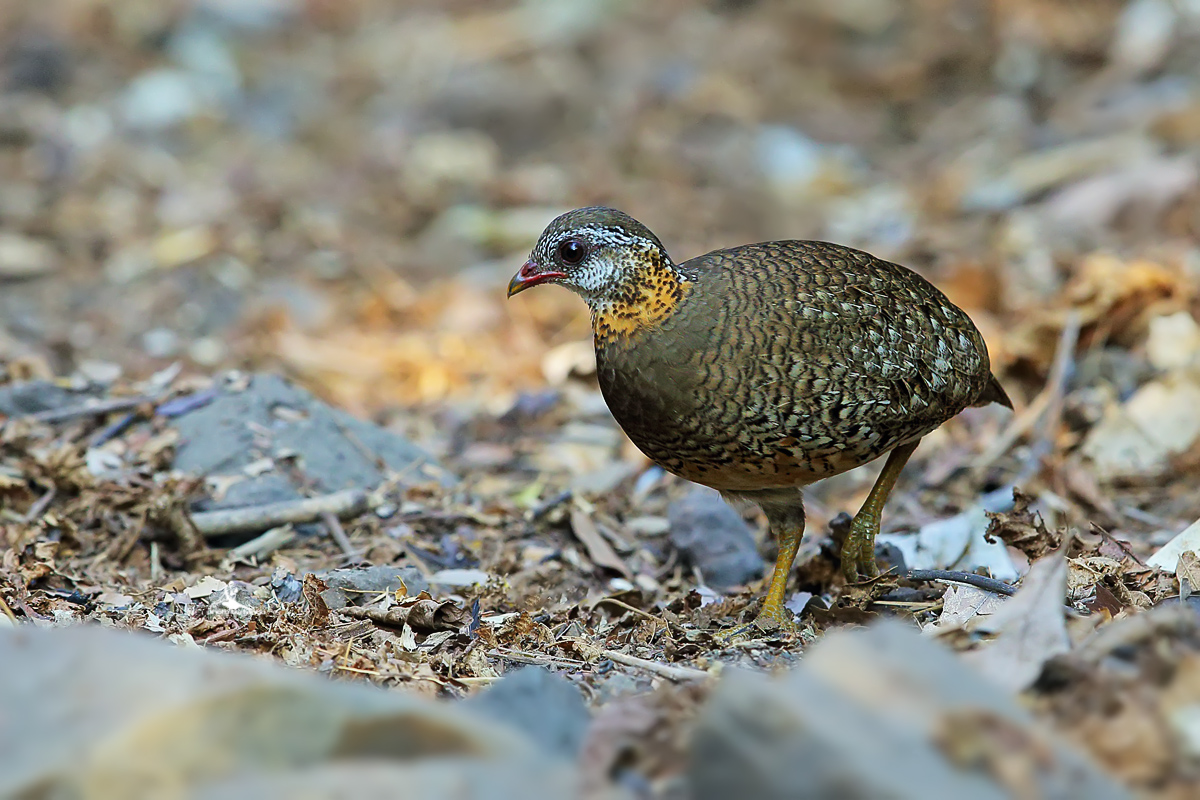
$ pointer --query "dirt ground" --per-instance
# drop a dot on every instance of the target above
(193, 193)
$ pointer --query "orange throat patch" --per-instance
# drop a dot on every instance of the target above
(640, 305)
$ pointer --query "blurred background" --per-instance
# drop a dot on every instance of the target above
(341, 188)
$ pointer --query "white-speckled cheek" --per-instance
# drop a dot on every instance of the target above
(595, 275)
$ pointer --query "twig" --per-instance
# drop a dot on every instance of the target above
(263, 545)
(546, 506)
(1177, 619)
(969, 578)
(663, 670)
(621, 604)
(1045, 410)
(346, 503)
(8, 612)
(39, 506)
(97, 408)
(338, 534)
(537, 659)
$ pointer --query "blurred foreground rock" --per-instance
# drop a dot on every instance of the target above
(256, 438)
(97, 714)
(542, 704)
(880, 713)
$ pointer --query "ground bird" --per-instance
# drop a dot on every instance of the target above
(760, 369)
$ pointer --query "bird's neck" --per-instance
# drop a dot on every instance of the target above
(647, 298)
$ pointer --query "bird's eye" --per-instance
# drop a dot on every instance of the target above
(572, 251)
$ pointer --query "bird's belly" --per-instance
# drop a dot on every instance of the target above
(727, 467)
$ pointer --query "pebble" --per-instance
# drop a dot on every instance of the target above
(161, 343)
(714, 539)
(1145, 32)
(24, 257)
(208, 351)
(160, 99)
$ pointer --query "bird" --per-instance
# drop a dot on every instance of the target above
(760, 369)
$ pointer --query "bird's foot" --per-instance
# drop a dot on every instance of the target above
(773, 620)
(858, 550)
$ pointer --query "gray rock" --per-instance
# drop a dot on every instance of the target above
(351, 587)
(767, 739)
(859, 719)
(714, 538)
(90, 712)
(938, 685)
(30, 397)
(547, 707)
(273, 419)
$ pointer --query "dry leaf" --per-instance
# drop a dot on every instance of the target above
(598, 548)
(1167, 557)
(421, 613)
(1023, 529)
(311, 589)
(1031, 628)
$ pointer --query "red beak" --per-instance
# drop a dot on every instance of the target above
(530, 274)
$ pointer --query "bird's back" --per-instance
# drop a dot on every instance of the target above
(786, 362)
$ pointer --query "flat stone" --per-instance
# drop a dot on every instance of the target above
(30, 397)
(545, 706)
(271, 419)
(714, 538)
(90, 712)
(351, 587)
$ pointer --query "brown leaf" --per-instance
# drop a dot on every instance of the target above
(598, 548)
(311, 589)
(1031, 628)
(1188, 572)
(1023, 529)
(421, 613)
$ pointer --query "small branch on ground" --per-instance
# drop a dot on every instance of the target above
(1175, 620)
(969, 578)
(338, 534)
(98, 408)
(254, 519)
(1043, 413)
(667, 671)
(263, 545)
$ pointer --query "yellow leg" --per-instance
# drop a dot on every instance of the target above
(773, 614)
(786, 522)
(858, 551)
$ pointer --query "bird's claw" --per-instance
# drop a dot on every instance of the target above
(858, 550)
(771, 620)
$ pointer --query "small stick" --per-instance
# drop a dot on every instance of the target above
(536, 659)
(615, 602)
(95, 409)
(346, 503)
(263, 545)
(338, 533)
(663, 670)
(1177, 619)
(8, 612)
(969, 578)
(39, 507)
(1046, 408)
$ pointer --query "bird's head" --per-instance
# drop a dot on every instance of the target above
(600, 253)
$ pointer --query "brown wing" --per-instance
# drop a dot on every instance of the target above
(791, 361)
